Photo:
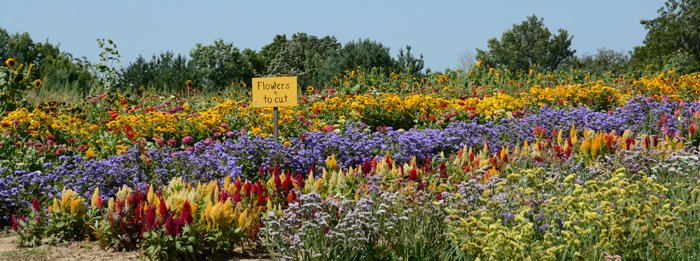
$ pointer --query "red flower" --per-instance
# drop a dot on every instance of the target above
(413, 174)
(246, 189)
(238, 183)
(118, 206)
(172, 226)
(15, 223)
(224, 195)
(366, 167)
(162, 210)
(291, 197)
(186, 215)
(443, 170)
(236, 197)
(150, 218)
(35, 205)
(261, 199)
(98, 202)
(300, 179)
(278, 182)
(287, 184)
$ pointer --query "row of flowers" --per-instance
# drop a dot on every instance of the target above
(552, 198)
(96, 130)
(356, 144)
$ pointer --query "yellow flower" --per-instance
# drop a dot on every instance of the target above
(243, 218)
(310, 88)
(220, 214)
(478, 63)
(188, 83)
(77, 208)
(37, 83)
(10, 62)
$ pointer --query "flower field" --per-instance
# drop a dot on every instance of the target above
(448, 166)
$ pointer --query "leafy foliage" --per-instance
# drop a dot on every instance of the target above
(527, 45)
(165, 72)
(303, 56)
(673, 37)
(219, 64)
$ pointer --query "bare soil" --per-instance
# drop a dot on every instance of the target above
(9, 250)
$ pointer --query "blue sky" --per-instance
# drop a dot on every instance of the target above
(443, 31)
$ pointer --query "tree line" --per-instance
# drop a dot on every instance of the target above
(672, 42)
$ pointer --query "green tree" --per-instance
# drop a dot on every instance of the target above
(305, 56)
(166, 71)
(363, 54)
(256, 60)
(673, 37)
(21, 47)
(408, 63)
(269, 52)
(62, 72)
(527, 45)
(220, 64)
(57, 69)
(603, 61)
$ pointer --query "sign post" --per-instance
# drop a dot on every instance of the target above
(275, 120)
(274, 92)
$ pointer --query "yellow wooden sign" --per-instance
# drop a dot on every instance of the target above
(274, 92)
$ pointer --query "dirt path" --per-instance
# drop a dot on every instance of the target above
(9, 250)
(69, 251)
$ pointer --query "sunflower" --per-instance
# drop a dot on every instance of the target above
(310, 88)
(37, 83)
(10, 62)
(188, 83)
(241, 84)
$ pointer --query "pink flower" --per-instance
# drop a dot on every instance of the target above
(187, 140)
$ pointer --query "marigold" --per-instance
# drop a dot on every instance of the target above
(10, 62)
(37, 83)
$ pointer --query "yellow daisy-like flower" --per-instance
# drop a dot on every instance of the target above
(10, 62)
(242, 85)
(310, 88)
(188, 83)
(38, 83)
